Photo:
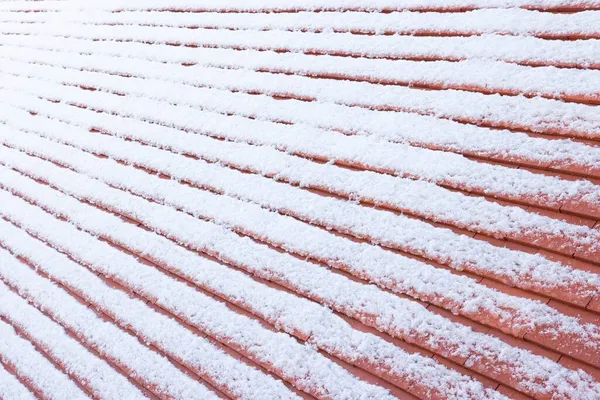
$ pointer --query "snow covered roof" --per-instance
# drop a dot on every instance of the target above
(273, 199)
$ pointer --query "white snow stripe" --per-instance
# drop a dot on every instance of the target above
(510, 21)
(504, 111)
(299, 316)
(277, 350)
(94, 374)
(433, 332)
(11, 388)
(33, 366)
(479, 75)
(513, 49)
(393, 126)
(155, 328)
(294, 5)
(516, 268)
(145, 365)
(441, 168)
(337, 252)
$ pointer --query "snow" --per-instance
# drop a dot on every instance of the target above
(442, 333)
(29, 363)
(510, 21)
(293, 5)
(386, 227)
(152, 327)
(276, 199)
(478, 72)
(11, 388)
(519, 49)
(439, 167)
(101, 379)
(275, 229)
(397, 126)
(275, 349)
(537, 114)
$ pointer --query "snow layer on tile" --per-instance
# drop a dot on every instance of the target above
(98, 376)
(537, 114)
(441, 330)
(32, 365)
(520, 49)
(324, 328)
(11, 388)
(483, 73)
(397, 158)
(119, 304)
(512, 21)
(276, 229)
(390, 229)
(275, 349)
(170, 227)
(397, 126)
(293, 5)
(141, 361)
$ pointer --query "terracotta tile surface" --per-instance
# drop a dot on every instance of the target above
(279, 199)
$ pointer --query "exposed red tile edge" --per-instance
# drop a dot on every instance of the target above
(575, 365)
(594, 305)
(512, 394)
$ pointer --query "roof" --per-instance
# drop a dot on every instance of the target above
(260, 199)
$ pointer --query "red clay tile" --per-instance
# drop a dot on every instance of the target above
(509, 244)
(477, 327)
(590, 253)
(571, 262)
(577, 169)
(512, 394)
(567, 343)
(525, 345)
(577, 365)
(414, 339)
(594, 304)
(514, 291)
(581, 207)
(465, 371)
(572, 219)
(585, 316)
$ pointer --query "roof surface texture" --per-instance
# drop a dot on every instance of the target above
(286, 199)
